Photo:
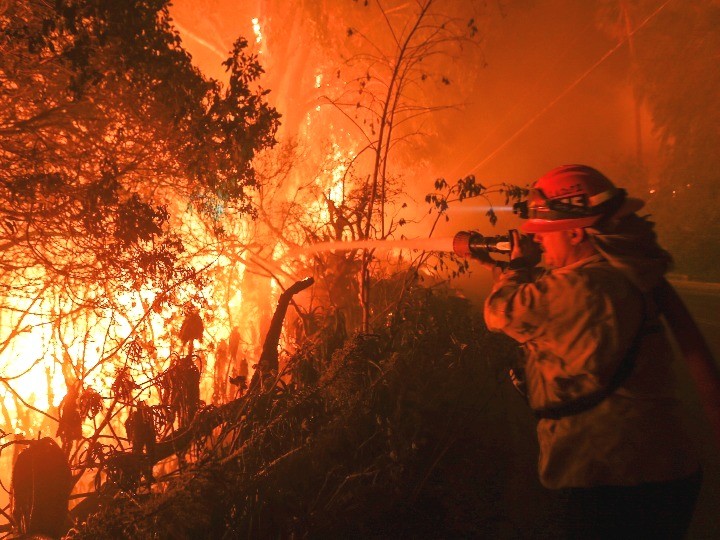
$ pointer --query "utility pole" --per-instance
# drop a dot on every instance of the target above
(627, 25)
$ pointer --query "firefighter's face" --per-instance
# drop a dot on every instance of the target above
(558, 247)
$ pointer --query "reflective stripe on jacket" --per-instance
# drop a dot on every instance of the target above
(576, 324)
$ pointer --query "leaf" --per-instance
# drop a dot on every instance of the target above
(492, 216)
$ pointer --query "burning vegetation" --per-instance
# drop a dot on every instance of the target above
(176, 359)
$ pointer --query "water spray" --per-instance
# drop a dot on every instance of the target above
(464, 244)
(420, 244)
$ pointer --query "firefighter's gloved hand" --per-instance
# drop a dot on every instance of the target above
(524, 251)
(517, 377)
(483, 257)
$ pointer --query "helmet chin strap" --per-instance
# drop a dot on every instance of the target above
(610, 217)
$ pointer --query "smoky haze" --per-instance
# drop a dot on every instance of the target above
(628, 86)
(550, 83)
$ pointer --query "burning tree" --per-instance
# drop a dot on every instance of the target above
(108, 134)
(97, 98)
(371, 111)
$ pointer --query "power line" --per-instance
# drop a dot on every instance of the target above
(569, 88)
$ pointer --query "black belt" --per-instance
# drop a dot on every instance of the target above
(589, 401)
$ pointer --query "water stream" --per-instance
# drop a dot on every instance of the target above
(422, 244)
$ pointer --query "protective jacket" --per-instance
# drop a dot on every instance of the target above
(578, 325)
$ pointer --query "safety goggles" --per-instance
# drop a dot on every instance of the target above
(540, 206)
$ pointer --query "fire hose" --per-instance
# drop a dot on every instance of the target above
(694, 348)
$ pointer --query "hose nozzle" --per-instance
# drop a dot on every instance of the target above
(469, 243)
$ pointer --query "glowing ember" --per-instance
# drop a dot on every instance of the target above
(256, 30)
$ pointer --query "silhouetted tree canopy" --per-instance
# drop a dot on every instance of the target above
(103, 120)
(684, 104)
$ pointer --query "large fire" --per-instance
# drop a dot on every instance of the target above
(42, 356)
(328, 181)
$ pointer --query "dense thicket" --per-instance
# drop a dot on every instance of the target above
(403, 432)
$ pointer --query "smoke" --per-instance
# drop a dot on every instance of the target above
(548, 85)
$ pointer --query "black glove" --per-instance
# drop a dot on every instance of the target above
(517, 377)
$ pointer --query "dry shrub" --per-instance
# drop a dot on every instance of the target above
(400, 435)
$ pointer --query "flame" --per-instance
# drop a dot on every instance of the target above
(25, 365)
(39, 336)
(257, 30)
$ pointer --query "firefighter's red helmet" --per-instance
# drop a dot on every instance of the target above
(574, 196)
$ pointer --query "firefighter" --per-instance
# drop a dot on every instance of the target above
(597, 370)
